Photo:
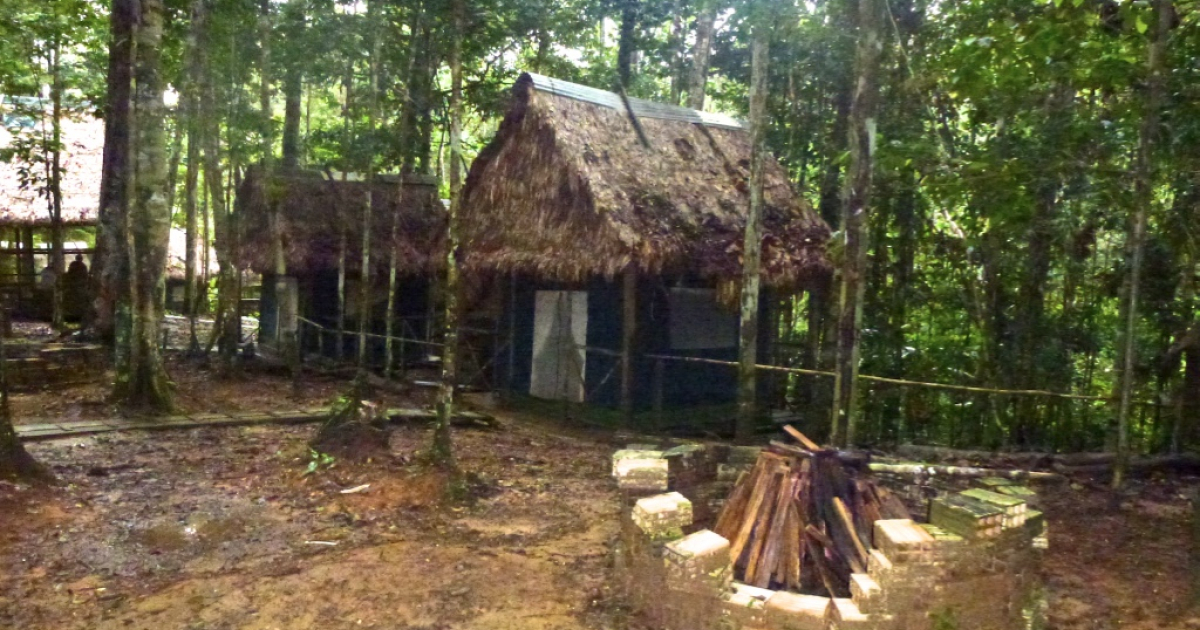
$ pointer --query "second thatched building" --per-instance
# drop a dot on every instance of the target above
(617, 226)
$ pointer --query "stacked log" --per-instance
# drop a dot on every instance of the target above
(801, 518)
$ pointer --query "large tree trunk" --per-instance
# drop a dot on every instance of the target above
(856, 197)
(1143, 190)
(110, 274)
(744, 430)
(442, 451)
(143, 384)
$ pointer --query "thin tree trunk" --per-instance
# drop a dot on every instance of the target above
(1143, 189)
(626, 44)
(364, 307)
(210, 141)
(57, 262)
(293, 91)
(190, 108)
(442, 451)
(752, 247)
(405, 165)
(698, 79)
(854, 222)
(264, 84)
(144, 385)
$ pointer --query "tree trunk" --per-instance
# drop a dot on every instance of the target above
(210, 142)
(698, 79)
(856, 197)
(293, 89)
(264, 84)
(402, 142)
(747, 415)
(626, 44)
(110, 275)
(1143, 189)
(364, 299)
(190, 109)
(57, 262)
(144, 383)
(442, 451)
(15, 462)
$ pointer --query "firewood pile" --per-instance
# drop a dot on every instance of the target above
(801, 518)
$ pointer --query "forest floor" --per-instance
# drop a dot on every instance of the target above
(219, 528)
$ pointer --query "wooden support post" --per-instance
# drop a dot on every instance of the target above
(659, 382)
(509, 378)
(628, 338)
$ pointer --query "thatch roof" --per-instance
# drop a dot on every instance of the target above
(82, 160)
(315, 211)
(567, 190)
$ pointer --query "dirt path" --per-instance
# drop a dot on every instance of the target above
(218, 528)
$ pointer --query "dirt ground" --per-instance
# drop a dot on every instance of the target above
(221, 528)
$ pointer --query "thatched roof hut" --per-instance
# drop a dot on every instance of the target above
(82, 161)
(567, 190)
(315, 212)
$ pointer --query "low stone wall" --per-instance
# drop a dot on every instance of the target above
(974, 567)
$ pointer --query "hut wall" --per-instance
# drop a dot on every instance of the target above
(683, 384)
(318, 302)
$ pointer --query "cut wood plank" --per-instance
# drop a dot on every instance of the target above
(801, 438)
(762, 528)
(738, 543)
(774, 542)
(848, 522)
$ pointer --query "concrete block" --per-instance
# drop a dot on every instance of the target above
(947, 546)
(865, 592)
(968, 517)
(1014, 507)
(790, 611)
(627, 453)
(878, 565)
(745, 606)
(1023, 492)
(641, 474)
(683, 450)
(744, 454)
(730, 472)
(662, 513)
(844, 614)
(702, 556)
(902, 541)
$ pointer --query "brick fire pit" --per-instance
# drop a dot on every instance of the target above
(973, 567)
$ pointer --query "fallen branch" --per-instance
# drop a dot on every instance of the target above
(960, 471)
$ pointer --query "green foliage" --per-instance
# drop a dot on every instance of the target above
(1006, 138)
(318, 461)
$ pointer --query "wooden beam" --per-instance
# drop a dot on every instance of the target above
(629, 282)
